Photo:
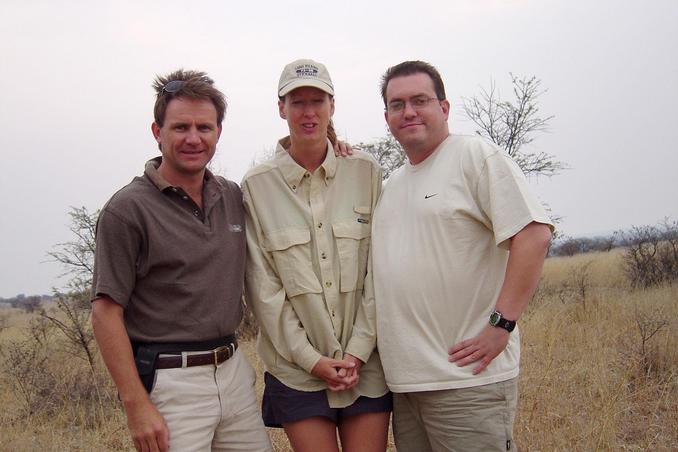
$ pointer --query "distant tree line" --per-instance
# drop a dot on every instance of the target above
(569, 246)
(28, 303)
(650, 251)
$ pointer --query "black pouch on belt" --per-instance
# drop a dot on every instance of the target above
(145, 359)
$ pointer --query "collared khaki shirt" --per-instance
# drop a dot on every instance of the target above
(307, 279)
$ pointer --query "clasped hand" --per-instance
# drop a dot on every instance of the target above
(338, 374)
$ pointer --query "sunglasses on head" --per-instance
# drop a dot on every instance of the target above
(173, 86)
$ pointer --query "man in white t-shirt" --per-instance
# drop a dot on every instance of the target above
(458, 246)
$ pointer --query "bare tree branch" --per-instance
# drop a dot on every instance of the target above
(386, 151)
(511, 125)
(77, 255)
(71, 312)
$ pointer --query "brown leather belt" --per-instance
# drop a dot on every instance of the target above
(214, 357)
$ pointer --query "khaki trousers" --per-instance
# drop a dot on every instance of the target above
(209, 408)
(461, 420)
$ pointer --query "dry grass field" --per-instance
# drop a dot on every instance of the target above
(599, 372)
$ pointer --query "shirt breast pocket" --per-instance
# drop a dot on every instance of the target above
(291, 251)
(353, 245)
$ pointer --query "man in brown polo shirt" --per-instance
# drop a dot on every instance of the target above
(168, 279)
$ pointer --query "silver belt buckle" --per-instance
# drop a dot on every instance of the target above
(229, 349)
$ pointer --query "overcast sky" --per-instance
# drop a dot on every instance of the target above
(76, 103)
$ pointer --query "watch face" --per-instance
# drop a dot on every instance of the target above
(494, 318)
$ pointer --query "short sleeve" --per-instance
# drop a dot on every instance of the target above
(115, 258)
(506, 198)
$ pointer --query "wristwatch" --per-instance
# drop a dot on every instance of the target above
(497, 320)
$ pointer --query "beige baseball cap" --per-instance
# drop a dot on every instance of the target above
(305, 73)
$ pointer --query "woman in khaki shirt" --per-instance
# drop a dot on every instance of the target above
(308, 281)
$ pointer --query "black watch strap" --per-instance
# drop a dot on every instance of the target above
(496, 319)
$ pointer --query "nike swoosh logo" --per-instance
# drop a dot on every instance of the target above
(430, 196)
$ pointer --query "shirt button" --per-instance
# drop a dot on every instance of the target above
(332, 312)
(328, 284)
(196, 213)
(320, 225)
(294, 187)
(323, 255)
(185, 197)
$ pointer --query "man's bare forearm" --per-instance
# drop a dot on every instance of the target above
(526, 259)
(147, 426)
(116, 349)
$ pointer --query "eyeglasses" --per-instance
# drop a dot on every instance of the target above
(173, 86)
(417, 103)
